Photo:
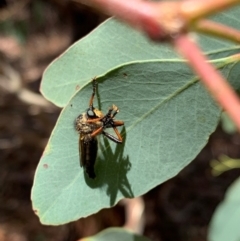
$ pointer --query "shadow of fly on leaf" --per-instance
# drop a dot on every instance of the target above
(111, 170)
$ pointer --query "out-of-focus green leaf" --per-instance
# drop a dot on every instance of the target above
(113, 44)
(226, 218)
(116, 234)
(168, 118)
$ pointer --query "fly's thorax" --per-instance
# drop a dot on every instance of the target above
(82, 126)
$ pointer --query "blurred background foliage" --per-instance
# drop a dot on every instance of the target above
(32, 34)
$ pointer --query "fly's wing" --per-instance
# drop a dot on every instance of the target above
(88, 150)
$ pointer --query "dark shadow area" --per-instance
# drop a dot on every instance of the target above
(111, 170)
(118, 181)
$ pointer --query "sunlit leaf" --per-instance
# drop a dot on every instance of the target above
(168, 118)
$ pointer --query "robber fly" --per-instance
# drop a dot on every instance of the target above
(91, 123)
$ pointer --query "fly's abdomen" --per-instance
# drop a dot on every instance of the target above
(88, 152)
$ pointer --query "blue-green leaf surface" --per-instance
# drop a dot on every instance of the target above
(168, 118)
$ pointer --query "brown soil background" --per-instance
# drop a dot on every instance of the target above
(32, 34)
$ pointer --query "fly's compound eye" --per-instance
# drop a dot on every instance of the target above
(90, 113)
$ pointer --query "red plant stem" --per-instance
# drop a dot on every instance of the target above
(210, 77)
(217, 29)
(156, 19)
(159, 20)
(131, 11)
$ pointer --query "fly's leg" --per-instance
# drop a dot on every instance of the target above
(117, 139)
(94, 85)
(97, 132)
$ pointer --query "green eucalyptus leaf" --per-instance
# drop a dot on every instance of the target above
(109, 45)
(226, 218)
(113, 44)
(116, 234)
(168, 118)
